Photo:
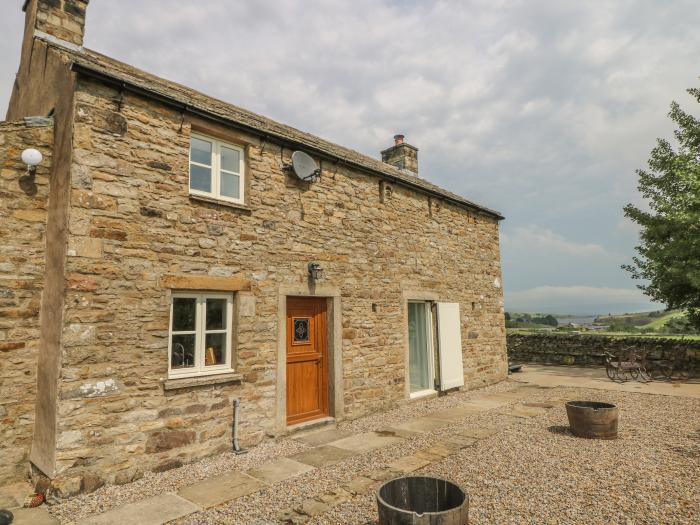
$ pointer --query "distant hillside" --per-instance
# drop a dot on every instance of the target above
(643, 323)
(636, 319)
(669, 322)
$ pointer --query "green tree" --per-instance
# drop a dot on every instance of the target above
(669, 253)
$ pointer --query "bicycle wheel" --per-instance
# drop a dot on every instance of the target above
(610, 372)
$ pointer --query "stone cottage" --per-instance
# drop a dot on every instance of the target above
(166, 259)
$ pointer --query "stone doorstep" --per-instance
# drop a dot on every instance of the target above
(152, 511)
(279, 470)
(221, 489)
(366, 442)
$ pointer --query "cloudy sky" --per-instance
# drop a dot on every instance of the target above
(540, 109)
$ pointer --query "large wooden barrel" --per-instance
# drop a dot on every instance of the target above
(421, 500)
(592, 419)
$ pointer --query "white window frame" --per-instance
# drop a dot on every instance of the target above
(216, 169)
(430, 349)
(200, 369)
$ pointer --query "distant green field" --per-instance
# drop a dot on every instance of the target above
(659, 323)
(601, 333)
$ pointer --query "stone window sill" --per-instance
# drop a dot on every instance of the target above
(188, 382)
(213, 200)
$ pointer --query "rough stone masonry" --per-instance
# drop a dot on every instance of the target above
(126, 233)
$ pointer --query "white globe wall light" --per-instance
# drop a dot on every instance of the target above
(32, 157)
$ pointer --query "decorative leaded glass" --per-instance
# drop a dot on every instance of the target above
(301, 330)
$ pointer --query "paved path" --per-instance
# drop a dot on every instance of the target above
(334, 446)
(571, 376)
(329, 447)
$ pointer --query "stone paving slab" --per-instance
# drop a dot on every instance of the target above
(313, 507)
(335, 496)
(322, 456)
(408, 464)
(523, 411)
(572, 376)
(421, 424)
(322, 437)
(462, 441)
(478, 432)
(12, 496)
(457, 413)
(395, 432)
(279, 470)
(382, 474)
(220, 489)
(151, 511)
(35, 516)
(366, 442)
(359, 485)
(536, 404)
(491, 402)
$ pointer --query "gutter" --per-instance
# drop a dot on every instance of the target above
(293, 144)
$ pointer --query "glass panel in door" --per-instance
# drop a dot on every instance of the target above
(418, 347)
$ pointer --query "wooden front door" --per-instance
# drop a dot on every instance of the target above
(307, 359)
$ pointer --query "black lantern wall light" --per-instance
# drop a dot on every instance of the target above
(316, 273)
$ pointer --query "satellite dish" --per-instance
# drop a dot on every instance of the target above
(305, 167)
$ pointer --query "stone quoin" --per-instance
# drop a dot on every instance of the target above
(165, 268)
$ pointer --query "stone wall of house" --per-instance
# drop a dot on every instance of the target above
(590, 350)
(21, 280)
(132, 221)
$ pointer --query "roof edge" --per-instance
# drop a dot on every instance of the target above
(85, 69)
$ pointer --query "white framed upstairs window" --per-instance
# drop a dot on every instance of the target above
(217, 169)
(200, 334)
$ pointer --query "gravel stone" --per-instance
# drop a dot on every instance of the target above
(531, 470)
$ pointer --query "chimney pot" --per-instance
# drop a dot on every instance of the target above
(402, 155)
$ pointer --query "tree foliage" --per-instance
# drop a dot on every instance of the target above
(669, 252)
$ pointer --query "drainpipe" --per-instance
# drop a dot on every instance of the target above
(236, 408)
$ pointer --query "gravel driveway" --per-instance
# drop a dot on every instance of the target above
(531, 471)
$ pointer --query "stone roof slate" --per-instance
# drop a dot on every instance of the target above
(92, 63)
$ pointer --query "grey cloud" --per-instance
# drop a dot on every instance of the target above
(540, 109)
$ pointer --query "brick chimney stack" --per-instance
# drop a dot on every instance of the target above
(402, 155)
(60, 19)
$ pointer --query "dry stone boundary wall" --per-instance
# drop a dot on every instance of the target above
(589, 350)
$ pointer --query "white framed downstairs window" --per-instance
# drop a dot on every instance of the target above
(217, 169)
(200, 334)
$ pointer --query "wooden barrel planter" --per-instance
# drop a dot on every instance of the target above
(421, 500)
(592, 419)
